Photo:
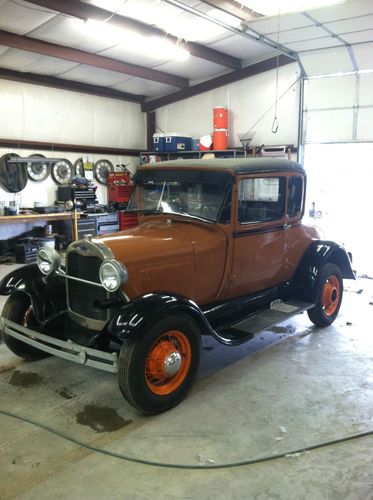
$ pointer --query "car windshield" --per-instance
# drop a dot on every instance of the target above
(185, 197)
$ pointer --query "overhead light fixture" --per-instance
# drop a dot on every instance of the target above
(153, 46)
(273, 7)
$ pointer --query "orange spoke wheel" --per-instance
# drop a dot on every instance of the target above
(328, 297)
(168, 362)
(331, 295)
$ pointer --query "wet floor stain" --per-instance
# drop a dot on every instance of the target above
(65, 393)
(207, 348)
(101, 418)
(283, 329)
(26, 379)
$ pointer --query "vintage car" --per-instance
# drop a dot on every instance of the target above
(220, 250)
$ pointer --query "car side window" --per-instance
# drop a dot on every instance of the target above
(295, 196)
(261, 199)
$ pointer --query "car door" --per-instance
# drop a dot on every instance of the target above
(259, 240)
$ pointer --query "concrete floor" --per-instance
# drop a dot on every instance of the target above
(289, 388)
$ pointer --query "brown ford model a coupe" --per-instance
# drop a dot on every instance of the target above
(220, 250)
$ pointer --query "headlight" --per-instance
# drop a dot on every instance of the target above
(112, 275)
(48, 260)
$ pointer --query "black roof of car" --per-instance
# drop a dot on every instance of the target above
(239, 165)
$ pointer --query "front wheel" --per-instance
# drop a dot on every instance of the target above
(157, 369)
(328, 296)
(18, 309)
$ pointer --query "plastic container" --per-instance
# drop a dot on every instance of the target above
(205, 143)
(220, 117)
(175, 141)
(220, 139)
(158, 142)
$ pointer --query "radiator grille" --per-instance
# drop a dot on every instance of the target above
(82, 296)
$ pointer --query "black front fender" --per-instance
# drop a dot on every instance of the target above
(314, 259)
(47, 295)
(138, 315)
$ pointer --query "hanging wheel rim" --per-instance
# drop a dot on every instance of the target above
(167, 363)
(331, 295)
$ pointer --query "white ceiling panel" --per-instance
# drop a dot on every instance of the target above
(297, 35)
(243, 48)
(318, 43)
(21, 17)
(28, 62)
(324, 62)
(269, 25)
(94, 76)
(132, 54)
(140, 86)
(193, 68)
(3, 49)
(359, 36)
(364, 55)
(354, 24)
(351, 8)
(74, 33)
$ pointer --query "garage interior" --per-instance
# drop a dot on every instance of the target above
(91, 86)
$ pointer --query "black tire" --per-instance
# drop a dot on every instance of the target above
(141, 364)
(328, 296)
(18, 309)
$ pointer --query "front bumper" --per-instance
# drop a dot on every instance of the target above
(62, 348)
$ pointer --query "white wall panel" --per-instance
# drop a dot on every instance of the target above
(365, 125)
(329, 126)
(247, 101)
(324, 62)
(330, 92)
(36, 113)
(366, 89)
(364, 55)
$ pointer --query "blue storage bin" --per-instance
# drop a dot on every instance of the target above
(158, 142)
(175, 141)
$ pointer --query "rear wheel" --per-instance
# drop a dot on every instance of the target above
(18, 309)
(157, 369)
(329, 296)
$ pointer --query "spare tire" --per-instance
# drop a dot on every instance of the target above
(13, 176)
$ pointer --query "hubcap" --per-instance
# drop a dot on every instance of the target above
(172, 363)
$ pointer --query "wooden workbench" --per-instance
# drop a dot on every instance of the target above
(16, 219)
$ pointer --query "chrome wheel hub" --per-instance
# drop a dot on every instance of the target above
(172, 363)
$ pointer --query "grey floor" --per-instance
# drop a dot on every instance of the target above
(289, 388)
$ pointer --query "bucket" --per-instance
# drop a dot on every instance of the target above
(220, 117)
(205, 143)
(220, 139)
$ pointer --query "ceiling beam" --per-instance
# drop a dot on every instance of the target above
(86, 11)
(82, 57)
(215, 83)
(234, 9)
(59, 83)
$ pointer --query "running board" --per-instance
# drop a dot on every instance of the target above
(244, 330)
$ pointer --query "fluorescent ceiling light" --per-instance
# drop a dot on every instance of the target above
(274, 7)
(153, 46)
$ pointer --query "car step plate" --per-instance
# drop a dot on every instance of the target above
(244, 330)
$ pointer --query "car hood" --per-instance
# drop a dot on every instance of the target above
(162, 239)
(185, 257)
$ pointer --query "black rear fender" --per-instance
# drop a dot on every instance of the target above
(136, 317)
(47, 295)
(314, 259)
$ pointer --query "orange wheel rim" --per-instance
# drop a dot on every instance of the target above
(331, 295)
(168, 363)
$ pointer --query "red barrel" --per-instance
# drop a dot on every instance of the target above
(220, 117)
(220, 139)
